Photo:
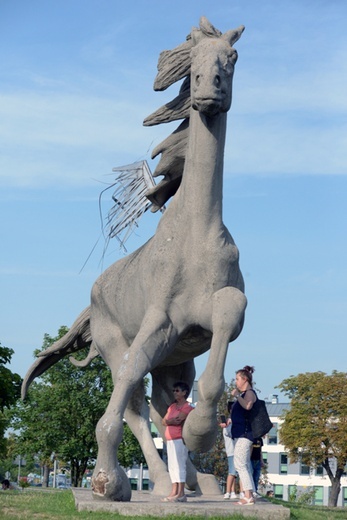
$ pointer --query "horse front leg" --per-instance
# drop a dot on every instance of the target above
(200, 428)
(154, 341)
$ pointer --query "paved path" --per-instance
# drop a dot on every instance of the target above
(143, 503)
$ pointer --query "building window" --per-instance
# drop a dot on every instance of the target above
(264, 454)
(319, 470)
(304, 469)
(344, 497)
(292, 492)
(283, 463)
(272, 439)
(318, 497)
(278, 491)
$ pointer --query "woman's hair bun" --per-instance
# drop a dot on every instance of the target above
(249, 369)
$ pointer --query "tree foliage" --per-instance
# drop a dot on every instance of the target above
(315, 426)
(129, 451)
(10, 384)
(7, 458)
(61, 411)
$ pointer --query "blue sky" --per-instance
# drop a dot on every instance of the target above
(75, 85)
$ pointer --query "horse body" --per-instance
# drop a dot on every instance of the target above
(177, 296)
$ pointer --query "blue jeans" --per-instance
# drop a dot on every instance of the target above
(256, 472)
(231, 466)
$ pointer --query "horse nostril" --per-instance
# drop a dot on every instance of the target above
(217, 81)
(197, 80)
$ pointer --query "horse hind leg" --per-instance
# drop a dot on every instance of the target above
(109, 480)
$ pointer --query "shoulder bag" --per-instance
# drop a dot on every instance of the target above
(259, 419)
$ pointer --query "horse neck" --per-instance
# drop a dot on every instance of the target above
(201, 191)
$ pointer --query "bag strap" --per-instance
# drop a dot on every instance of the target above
(246, 412)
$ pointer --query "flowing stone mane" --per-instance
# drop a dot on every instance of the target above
(173, 66)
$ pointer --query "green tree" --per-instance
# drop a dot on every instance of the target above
(7, 459)
(60, 414)
(129, 451)
(315, 426)
(10, 384)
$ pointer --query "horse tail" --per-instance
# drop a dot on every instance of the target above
(77, 338)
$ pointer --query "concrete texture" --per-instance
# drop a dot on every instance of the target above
(144, 503)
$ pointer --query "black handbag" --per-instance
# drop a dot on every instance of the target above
(259, 419)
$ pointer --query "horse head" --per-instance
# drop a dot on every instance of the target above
(212, 67)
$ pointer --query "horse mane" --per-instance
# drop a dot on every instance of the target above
(173, 66)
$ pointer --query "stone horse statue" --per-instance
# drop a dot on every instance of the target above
(180, 294)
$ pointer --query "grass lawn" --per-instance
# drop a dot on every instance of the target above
(59, 505)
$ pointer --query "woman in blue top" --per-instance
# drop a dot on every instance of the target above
(241, 432)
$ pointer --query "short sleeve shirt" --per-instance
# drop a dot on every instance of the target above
(240, 425)
(174, 431)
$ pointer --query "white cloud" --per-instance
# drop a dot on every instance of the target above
(69, 137)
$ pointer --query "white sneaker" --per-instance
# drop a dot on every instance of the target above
(226, 496)
(233, 496)
(242, 495)
(256, 495)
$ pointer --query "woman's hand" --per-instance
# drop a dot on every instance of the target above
(175, 421)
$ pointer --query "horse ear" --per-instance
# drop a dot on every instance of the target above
(233, 35)
(196, 36)
(208, 29)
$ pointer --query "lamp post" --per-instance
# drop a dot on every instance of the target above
(53, 458)
(19, 466)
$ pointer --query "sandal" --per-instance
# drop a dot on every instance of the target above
(168, 499)
(246, 502)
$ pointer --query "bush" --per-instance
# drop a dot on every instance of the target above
(23, 482)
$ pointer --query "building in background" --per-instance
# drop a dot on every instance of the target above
(287, 478)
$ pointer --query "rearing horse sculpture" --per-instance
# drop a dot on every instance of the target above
(177, 296)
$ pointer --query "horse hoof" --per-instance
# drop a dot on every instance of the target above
(112, 487)
(162, 486)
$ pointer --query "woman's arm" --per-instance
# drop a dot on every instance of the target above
(164, 420)
(247, 401)
(174, 421)
(182, 416)
(178, 419)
